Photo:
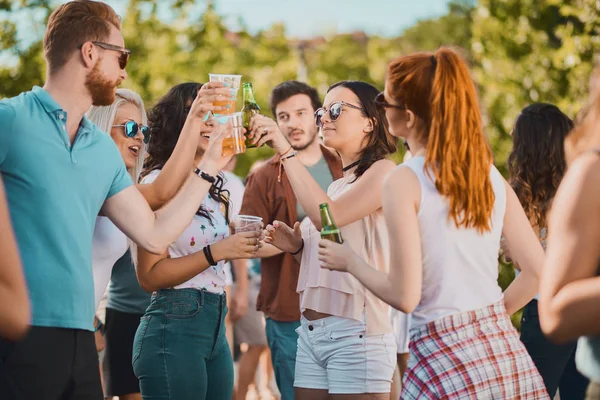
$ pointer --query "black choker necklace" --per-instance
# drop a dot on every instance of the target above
(354, 164)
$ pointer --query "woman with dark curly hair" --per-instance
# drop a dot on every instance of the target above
(537, 165)
(180, 348)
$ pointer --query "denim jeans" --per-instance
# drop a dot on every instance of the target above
(283, 343)
(556, 363)
(180, 351)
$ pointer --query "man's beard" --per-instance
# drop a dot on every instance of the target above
(307, 145)
(101, 89)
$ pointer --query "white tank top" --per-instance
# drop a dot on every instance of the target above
(108, 245)
(460, 266)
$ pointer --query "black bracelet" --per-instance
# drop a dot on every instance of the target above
(209, 256)
(300, 249)
(99, 327)
(204, 175)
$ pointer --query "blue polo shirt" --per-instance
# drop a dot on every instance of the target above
(55, 191)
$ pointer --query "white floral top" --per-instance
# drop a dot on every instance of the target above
(200, 233)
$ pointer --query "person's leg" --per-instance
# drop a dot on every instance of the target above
(310, 374)
(396, 385)
(573, 385)
(247, 367)
(119, 379)
(359, 366)
(45, 356)
(171, 346)
(402, 361)
(219, 370)
(282, 339)
(549, 359)
(86, 384)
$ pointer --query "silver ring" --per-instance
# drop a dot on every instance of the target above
(265, 130)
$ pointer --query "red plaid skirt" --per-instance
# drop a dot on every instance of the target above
(473, 355)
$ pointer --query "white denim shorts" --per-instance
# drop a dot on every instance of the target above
(336, 354)
(401, 327)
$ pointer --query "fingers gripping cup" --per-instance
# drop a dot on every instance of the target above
(232, 82)
(235, 141)
(247, 223)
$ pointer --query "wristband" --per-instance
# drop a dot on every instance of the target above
(209, 256)
(97, 328)
(205, 176)
(300, 249)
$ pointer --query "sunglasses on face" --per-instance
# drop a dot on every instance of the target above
(123, 58)
(381, 103)
(335, 110)
(131, 129)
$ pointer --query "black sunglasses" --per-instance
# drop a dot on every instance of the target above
(123, 58)
(381, 103)
(335, 110)
(131, 129)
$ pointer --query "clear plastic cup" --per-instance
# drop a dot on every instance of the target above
(232, 82)
(247, 223)
(235, 141)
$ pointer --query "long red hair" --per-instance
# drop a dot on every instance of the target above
(439, 90)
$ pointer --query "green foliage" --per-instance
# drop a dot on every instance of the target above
(532, 51)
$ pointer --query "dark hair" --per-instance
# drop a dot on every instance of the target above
(537, 162)
(379, 143)
(287, 89)
(166, 120)
(73, 24)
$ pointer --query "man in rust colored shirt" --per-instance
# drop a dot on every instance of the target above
(270, 196)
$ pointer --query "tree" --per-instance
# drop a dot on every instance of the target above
(532, 51)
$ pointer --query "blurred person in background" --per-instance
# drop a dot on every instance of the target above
(536, 166)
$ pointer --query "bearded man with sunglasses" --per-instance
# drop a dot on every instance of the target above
(269, 195)
(60, 172)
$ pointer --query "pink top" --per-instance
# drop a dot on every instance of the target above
(339, 293)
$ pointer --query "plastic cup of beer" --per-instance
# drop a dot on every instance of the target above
(235, 141)
(247, 223)
(232, 82)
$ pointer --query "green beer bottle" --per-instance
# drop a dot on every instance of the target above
(329, 229)
(249, 109)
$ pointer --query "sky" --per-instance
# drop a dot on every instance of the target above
(302, 18)
(308, 18)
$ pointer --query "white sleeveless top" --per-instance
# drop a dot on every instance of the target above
(108, 245)
(199, 233)
(460, 266)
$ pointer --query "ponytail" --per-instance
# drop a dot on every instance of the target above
(458, 158)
